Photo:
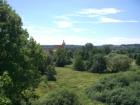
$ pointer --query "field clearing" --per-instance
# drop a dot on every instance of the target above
(76, 81)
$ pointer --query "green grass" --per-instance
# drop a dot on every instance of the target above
(76, 81)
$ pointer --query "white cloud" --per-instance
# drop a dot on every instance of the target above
(51, 35)
(64, 24)
(54, 35)
(79, 29)
(113, 20)
(100, 15)
(46, 35)
(95, 12)
(40, 30)
(90, 12)
(109, 20)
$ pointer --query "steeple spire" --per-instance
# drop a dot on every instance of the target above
(63, 44)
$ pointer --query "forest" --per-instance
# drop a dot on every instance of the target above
(32, 74)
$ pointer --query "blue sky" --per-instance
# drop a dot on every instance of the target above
(80, 21)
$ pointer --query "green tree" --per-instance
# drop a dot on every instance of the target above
(5, 82)
(43, 62)
(61, 57)
(14, 54)
(21, 58)
(107, 49)
(138, 59)
(118, 62)
(99, 64)
(78, 63)
(87, 51)
(88, 46)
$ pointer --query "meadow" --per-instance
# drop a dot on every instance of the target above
(76, 81)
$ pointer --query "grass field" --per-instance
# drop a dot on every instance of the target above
(76, 81)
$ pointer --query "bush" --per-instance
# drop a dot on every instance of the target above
(60, 97)
(138, 59)
(118, 62)
(99, 64)
(78, 63)
(61, 57)
(4, 100)
(120, 89)
(51, 72)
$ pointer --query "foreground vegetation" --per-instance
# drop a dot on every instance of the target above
(22, 60)
(120, 89)
(76, 81)
(95, 88)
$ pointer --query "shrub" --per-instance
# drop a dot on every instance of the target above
(138, 59)
(60, 97)
(120, 89)
(51, 72)
(99, 64)
(78, 63)
(118, 62)
(62, 57)
(4, 100)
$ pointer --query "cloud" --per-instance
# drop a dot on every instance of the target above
(54, 35)
(78, 30)
(64, 17)
(97, 12)
(40, 30)
(44, 34)
(49, 35)
(100, 15)
(64, 24)
(90, 12)
(113, 20)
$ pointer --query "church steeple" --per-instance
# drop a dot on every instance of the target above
(63, 44)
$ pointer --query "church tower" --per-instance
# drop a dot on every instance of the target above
(63, 44)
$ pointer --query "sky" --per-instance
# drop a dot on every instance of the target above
(80, 21)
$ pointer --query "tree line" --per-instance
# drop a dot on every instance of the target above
(95, 59)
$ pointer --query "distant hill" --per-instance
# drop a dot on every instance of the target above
(66, 46)
(123, 46)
